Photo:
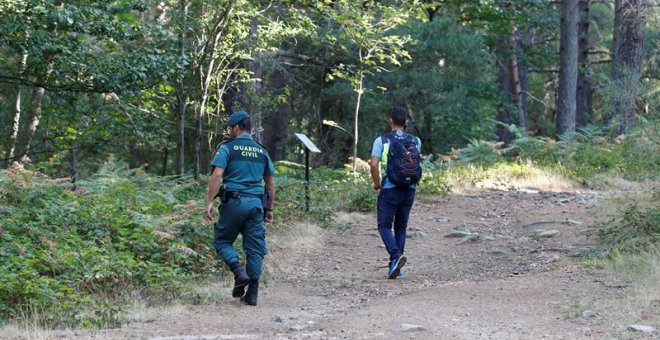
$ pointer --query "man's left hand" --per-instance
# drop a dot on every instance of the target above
(268, 217)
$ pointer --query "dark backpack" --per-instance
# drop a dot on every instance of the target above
(403, 168)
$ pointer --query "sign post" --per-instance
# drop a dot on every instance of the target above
(309, 146)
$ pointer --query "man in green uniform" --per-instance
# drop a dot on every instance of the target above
(244, 166)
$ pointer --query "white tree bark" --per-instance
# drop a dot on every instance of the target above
(17, 113)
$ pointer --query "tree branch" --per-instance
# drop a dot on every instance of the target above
(292, 55)
(594, 50)
(543, 70)
(7, 79)
(601, 61)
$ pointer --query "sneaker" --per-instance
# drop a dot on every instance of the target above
(240, 281)
(395, 267)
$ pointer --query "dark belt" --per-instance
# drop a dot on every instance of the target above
(238, 194)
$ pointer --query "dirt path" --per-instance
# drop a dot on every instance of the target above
(502, 283)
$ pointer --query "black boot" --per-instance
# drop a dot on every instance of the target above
(241, 279)
(250, 297)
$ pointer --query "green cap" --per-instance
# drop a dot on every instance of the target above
(236, 117)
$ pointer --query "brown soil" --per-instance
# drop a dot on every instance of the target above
(504, 284)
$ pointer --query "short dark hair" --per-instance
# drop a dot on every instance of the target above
(398, 115)
(245, 124)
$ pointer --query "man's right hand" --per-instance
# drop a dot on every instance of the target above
(214, 186)
(209, 211)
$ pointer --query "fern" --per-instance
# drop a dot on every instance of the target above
(480, 152)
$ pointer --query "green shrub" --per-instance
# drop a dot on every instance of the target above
(589, 155)
(480, 152)
(72, 258)
(541, 150)
(640, 158)
(333, 190)
(635, 230)
(583, 161)
(363, 200)
(434, 182)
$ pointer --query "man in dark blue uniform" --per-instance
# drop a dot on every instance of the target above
(244, 166)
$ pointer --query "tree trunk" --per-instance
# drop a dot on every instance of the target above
(627, 53)
(34, 116)
(504, 116)
(276, 132)
(181, 97)
(356, 126)
(17, 113)
(324, 134)
(583, 95)
(133, 154)
(181, 105)
(209, 56)
(523, 76)
(568, 55)
(164, 170)
(256, 87)
(524, 39)
(515, 82)
(431, 11)
(75, 171)
(228, 99)
(35, 111)
(276, 128)
(200, 115)
(198, 144)
(550, 106)
(428, 132)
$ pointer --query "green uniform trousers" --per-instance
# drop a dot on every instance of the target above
(243, 215)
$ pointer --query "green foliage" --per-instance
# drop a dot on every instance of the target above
(448, 87)
(75, 46)
(365, 32)
(541, 150)
(434, 179)
(589, 158)
(363, 200)
(368, 45)
(331, 190)
(480, 152)
(589, 154)
(635, 229)
(71, 258)
(585, 160)
(434, 182)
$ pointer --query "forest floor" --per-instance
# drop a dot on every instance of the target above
(503, 281)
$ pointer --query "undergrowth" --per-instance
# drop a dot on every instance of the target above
(588, 156)
(628, 231)
(333, 190)
(72, 258)
(632, 227)
(628, 234)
